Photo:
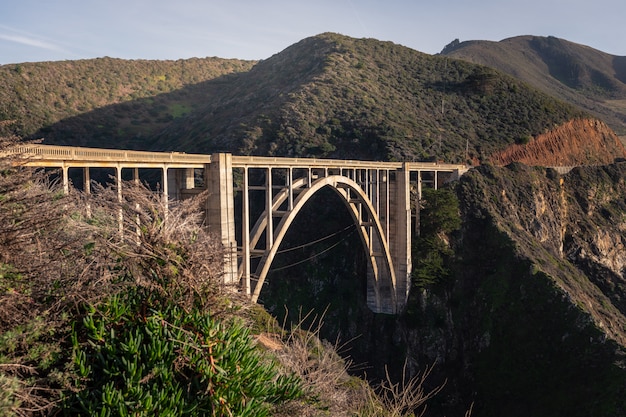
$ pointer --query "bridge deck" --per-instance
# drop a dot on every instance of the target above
(51, 156)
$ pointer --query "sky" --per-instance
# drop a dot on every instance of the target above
(56, 30)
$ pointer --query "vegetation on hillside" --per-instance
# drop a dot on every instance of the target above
(578, 74)
(335, 96)
(104, 102)
(326, 96)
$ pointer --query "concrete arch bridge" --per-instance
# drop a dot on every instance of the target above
(377, 195)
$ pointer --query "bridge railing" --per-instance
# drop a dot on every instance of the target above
(69, 153)
(563, 169)
(281, 162)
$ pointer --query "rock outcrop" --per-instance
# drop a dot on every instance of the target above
(576, 142)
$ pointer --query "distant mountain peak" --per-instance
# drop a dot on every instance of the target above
(581, 75)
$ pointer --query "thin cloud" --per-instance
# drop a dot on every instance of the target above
(29, 40)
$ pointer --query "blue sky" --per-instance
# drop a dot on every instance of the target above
(52, 30)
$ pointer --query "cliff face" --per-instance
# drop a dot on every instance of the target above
(576, 142)
(595, 232)
(537, 309)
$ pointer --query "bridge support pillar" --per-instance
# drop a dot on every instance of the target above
(400, 245)
(220, 211)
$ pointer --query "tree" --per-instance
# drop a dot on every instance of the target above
(439, 211)
(439, 216)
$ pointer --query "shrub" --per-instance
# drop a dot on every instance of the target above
(141, 361)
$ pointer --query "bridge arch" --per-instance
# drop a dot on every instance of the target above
(381, 277)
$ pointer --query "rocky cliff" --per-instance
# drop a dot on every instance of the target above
(576, 142)
(535, 318)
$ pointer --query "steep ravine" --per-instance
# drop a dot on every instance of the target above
(533, 322)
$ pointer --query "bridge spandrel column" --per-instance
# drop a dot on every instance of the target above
(180, 180)
(220, 211)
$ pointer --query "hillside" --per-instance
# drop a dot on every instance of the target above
(587, 140)
(104, 102)
(325, 96)
(334, 96)
(578, 74)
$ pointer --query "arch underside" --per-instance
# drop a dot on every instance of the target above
(381, 280)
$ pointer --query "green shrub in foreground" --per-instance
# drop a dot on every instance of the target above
(170, 362)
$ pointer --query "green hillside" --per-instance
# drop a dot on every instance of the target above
(326, 96)
(104, 102)
(578, 74)
(334, 96)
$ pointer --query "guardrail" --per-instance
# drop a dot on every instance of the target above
(563, 169)
(52, 153)
(280, 162)
(70, 153)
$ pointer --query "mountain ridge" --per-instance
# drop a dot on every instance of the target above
(579, 74)
(326, 96)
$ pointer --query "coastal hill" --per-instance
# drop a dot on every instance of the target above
(325, 96)
(578, 74)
